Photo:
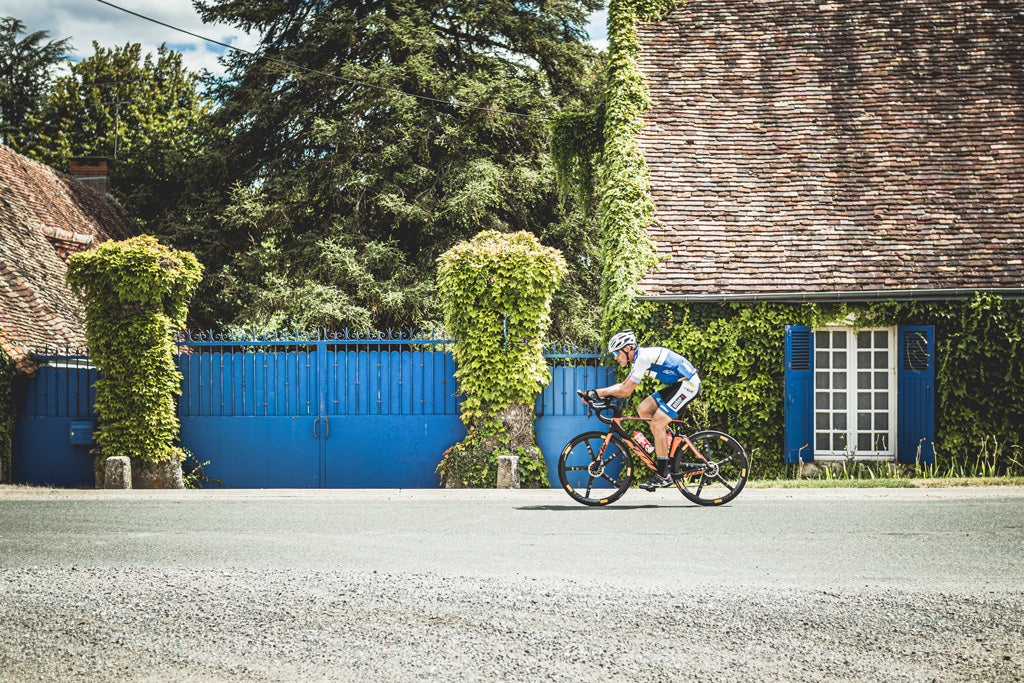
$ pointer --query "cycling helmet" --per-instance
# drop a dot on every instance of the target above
(621, 340)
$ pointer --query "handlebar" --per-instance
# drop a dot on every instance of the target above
(600, 407)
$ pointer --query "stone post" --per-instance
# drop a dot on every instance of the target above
(508, 471)
(118, 473)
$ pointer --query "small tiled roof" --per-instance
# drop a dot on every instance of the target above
(835, 146)
(44, 216)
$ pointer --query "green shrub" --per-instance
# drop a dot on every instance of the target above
(7, 410)
(496, 293)
(136, 295)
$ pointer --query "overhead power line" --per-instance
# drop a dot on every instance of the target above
(299, 67)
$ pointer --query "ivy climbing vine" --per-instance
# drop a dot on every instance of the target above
(496, 294)
(608, 135)
(7, 374)
(136, 295)
(739, 350)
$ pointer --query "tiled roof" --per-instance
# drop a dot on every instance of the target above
(836, 146)
(44, 216)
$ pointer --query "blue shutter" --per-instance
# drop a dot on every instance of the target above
(915, 401)
(799, 407)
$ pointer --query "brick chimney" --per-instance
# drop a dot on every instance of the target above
(92, 171)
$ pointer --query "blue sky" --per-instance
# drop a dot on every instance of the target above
(85, 21)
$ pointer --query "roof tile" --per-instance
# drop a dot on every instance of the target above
(859, 144)
(45, 215)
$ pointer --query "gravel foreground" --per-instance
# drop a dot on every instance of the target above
(144, 624)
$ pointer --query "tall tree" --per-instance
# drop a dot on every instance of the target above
(148, 114)
(405, 127)
(26, 73)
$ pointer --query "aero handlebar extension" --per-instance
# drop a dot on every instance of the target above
(600, 407)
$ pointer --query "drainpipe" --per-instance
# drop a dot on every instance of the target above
(850, 296)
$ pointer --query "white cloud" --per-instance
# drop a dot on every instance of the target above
(85, 21)
(597, 29)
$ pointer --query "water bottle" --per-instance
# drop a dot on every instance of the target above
(642, 440)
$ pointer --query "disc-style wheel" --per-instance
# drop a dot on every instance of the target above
(719, 477)
(595, 468)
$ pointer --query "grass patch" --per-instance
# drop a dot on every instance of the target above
(884, 483)
(824, 483)
(945, 482)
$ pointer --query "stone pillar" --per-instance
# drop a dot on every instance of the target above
(118, 473)
(508, 471)
(517, 420)
(165, 474)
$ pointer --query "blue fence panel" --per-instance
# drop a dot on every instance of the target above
(62, 387)
(256, 452)
(299, 412)
(54, 421)
(560, 413)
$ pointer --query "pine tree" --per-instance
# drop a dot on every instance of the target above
(409, 126)
(26, 72)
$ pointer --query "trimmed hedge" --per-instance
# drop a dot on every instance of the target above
(136, 295)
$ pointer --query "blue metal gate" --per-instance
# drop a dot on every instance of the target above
(306, 411)
(53, 428)
(560, 413)
(310, 412)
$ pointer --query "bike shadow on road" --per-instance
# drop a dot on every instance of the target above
(560, 508)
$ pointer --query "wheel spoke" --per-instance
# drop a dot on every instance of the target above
(724, 482)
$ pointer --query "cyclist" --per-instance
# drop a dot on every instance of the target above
(661, 407)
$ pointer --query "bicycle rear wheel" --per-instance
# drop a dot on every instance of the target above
(594, 472)
(716, 481)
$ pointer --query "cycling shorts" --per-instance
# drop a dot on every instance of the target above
(674, 397)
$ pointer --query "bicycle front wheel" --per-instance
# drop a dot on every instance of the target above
(595, 468)
(719, 478)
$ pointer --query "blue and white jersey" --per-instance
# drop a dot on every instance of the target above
(665, 365)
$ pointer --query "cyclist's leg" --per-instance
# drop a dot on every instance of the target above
(670, 403)
(651, 408)
(659, 423)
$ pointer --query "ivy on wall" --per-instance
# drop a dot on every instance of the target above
(496, 293)
(979, 372)
(136, 295)
(624, 208)
(739, 350)
(7, 413)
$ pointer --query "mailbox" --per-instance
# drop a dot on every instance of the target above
(81, 433)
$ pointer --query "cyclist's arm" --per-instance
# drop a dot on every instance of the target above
(621, 390)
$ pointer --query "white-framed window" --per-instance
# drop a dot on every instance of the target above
(855, 393)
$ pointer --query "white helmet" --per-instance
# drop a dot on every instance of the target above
(621, 340)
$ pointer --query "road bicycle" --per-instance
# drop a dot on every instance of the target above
(596, 468)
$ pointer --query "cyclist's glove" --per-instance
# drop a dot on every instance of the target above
(591, 396)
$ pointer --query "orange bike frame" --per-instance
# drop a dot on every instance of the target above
(676, 441)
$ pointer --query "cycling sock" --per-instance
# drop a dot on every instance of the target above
(663, 466)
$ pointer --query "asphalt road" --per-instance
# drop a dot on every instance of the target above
(432, 585)
(960, 540)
